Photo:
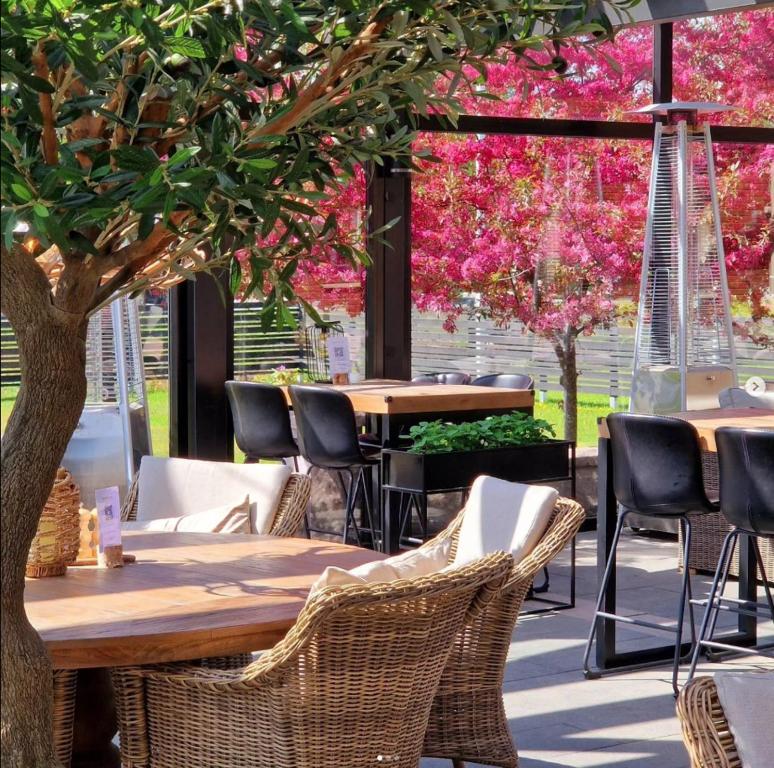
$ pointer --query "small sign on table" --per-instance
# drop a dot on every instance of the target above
(338, 359)
(111, 552)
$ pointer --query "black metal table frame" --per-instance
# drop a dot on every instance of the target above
(607, 658)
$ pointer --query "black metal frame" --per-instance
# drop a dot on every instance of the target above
(716, 602)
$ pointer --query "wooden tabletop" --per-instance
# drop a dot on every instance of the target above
(403, 397)
(706, 422)
(188, 595)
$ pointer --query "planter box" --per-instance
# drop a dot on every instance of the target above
(443, 472)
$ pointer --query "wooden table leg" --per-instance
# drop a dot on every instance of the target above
(95, 721)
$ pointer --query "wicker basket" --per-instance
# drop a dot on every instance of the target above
(708, 531)
(56, 541)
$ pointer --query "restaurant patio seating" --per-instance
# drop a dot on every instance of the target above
(656, 473)
(509, 380)
(451, 377)
(350, 685)
(329, 439)
(746, 459)
(468, 720)
(261, 421)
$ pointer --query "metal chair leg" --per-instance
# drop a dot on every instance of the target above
(711, 611)
(725, 570)
(764, 576)
(601, 596)
(686, 523)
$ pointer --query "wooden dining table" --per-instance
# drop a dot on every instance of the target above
(187, 596)
(705, 422)
(392, 406)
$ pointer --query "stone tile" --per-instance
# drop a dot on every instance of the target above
(559, 719)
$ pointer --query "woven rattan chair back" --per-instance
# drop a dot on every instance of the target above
(287, 519)
(467, 720)
(350, 685)
(706, 733)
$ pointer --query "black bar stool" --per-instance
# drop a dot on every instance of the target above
(452, 377)
(261, 422)
(656, 473)
(328, 437)
(746, 461)
(506, 380)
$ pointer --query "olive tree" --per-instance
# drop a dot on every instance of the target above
(145, 141)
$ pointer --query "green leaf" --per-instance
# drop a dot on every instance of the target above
(235, 277)
(135, 158)
(40, 210)
(21, 191)
(182, 156)
(186, 46)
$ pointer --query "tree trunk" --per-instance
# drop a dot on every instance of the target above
(568, 362)
(50, 401)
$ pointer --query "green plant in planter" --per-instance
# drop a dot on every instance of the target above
(510, 429)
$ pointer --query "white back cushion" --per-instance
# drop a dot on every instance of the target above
(170, 487)
(230, 518)
(409, 565)
(503, 516)
(748, 702)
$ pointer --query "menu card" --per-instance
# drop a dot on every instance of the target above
(111, 552)
(338, 359)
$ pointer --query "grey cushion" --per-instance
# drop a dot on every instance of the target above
(736, 397)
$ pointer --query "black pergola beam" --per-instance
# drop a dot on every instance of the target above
(662, 63)
(590, 129)
(201, 360)
(388, 279)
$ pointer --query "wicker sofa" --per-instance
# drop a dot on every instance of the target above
(350, 685)
(467, 720)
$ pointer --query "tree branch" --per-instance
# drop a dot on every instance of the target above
(360, 47)
(48, 137)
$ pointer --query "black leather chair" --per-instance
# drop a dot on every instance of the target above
(261, 421)
(507, 380)
(656, 473)
(328, 438)
(452, 377)
(746, 461)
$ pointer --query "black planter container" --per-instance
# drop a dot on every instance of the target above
(444, 472)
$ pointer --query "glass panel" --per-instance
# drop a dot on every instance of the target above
(599, 85)
(522, 243)
(723, 59)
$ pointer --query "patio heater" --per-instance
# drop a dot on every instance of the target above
(684, 346)
(113, 433)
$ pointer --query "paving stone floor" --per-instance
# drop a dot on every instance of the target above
(560, 719)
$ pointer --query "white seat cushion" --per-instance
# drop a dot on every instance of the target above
(408, 565)
(171, 487)
(503, 516)
(230, 518)
(748, 702)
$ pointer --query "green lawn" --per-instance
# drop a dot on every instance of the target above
(590, 407)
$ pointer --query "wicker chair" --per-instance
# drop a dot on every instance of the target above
(706, 732)
(350, 685)
(289, 517)
(467, 720)
(287, 521)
